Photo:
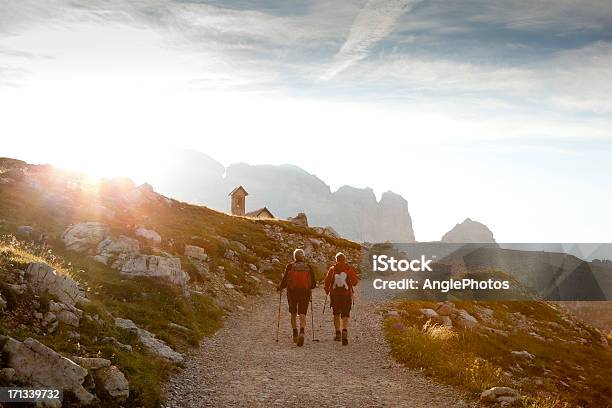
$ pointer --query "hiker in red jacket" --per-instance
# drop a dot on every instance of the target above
(299, 279)
(339, 283)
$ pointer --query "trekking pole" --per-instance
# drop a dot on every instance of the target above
(280, 296)
(312, 319)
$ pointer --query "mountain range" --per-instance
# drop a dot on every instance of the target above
(286, 190)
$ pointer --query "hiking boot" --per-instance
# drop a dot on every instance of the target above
(344, 338)
(337, 337)
(300, 340)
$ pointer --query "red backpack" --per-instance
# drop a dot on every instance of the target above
(298, 276)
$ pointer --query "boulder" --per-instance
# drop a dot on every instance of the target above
(66, 313)
(429, 313)
(230, 254)
(117, 250)
(300, 220)
(500, 394)
(112, 383)
(154, 345)
(149, 234)
(39, 366)
(465, 320)
(154, 266)
(523, 354)
(92, 363)
(43, 278)
(446, 308)
(196, 252)
(83, 236)
(327, 231)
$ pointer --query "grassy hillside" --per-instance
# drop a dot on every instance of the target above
(245, 257)
(570, 363)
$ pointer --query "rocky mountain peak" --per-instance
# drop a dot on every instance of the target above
(469, 231)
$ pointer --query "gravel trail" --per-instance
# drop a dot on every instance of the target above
(242, 365)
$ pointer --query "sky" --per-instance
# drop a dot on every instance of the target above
(500, 111)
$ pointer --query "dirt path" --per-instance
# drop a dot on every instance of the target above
(242, 366)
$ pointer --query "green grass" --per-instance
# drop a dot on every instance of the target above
(148, 303)
(474, 361)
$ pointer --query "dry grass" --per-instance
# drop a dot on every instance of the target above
(474, 361)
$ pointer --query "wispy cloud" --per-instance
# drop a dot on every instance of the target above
(373, 23)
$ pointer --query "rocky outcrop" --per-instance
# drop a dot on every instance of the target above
(117, 251)
(112, 383)
(300, 220)
(44, 279)
(149, 234)
(154, 266)
(39, 366)
(196, 252)
(122, 253)
(469, 231)
(83, 236)
(148, 339)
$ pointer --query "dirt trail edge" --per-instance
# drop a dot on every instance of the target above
(243, 366)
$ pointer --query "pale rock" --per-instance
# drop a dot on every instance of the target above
(149, 234)
(499, 394)
(429, 313)
(229, 286)
(43, 278)
(300, 220)
(155, 346)
(240, 246)
(39, 366)
(68, 318)
(253, 267)
(523, 354)
(83, 236)
(113, 383)
(119, 250)
(91, 363)
(229, 254)
(127, 325)
(49, 318)
(393, 313)
(465, 320)
(154, 266)
(196, 252)
(446, 308)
